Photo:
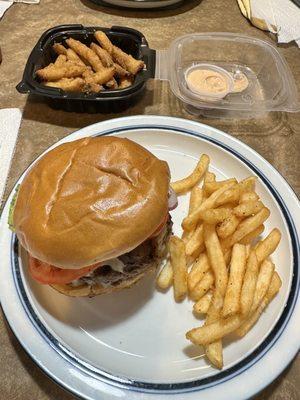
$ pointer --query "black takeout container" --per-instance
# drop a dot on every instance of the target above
(129, 40)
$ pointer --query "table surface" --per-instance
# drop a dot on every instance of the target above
(276, 136)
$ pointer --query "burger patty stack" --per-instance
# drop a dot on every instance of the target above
(93, 215)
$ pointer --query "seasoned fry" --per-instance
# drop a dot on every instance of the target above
(216, 215)
(248, 196)
(249, 225)
(104, 42)
(191, 220)
(59, 49)
(202, 286)
(273, 289)
(200, 267)
(165, 277)
(85, 52)
(262, 283)
(214, 352)
(249, 284)
(54, 73)
(230, 195)
(67, 84)
(127, 61)
(125, 81)
(196, 199)
(216, 258)
(202, 305)
(248, 184)
(178, 262)
(211, 187)
(195, 242)
(266, 247)
(231, 304)
(228, 226)
(188, 183)
(252, 235)
(60, 61)
(248, 208)
(72, 56)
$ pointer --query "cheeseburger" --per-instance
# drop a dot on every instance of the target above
(93, 215)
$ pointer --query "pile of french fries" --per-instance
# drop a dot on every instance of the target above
(220, 262)
(79, 68)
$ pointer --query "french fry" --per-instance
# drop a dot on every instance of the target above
(202, 286)
(178, 262)
(67, 84)
(273, 289)
(54, 73)
(104, 42)
(231, 195)
(247, 226)
(231, 304)
(196, 199)
(59, 49)
(211, 187)
(227, 256)
(202, 305)
(248, 196)
(216, 215)
(262, 283)
(248, 184)
(216, 258)
(267, 246)
(228, 226)
(200, 267)
(252, 235)
(248, 208)
(127, 61)
(209, 177)
(165, 277)
(248, 249)
(191, 220)
(189, 182)
(85, 52)
(249, 283)
(195, 242)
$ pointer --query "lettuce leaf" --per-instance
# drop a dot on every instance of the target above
(11, 210)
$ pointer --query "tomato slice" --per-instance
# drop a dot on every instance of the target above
(48, 274)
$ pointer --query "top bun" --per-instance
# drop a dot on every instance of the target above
(90, 200)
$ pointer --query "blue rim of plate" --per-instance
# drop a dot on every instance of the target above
(180, 387)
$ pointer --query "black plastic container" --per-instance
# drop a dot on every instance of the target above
(129, 40)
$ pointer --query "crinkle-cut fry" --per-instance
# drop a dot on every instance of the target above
(198, 270)
(246, 226)
(215, 215)
(211, 187)
(178, 262)
(127, 61)
(231, 195)
(202, 305)
(59, 49)
(195, 242)
(112, 84)
(54, 73)
(263, 282)
(273, 289)
(248, 208)
(216, 258)
(248, 196)
(248, 239)
(191, 220)
(104, 56)
(72, 56)
(231, 304)
(67, 84)
(60, 61)
(249, 283)
(228, 226)
(248, 184)
(202, 286)
(83, 51)
(165, 277)
(104, 41)
(267, 246)
(186, 184)
(125, 82)
(104, 76)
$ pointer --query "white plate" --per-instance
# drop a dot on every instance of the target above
(141, 3)
(132, 343)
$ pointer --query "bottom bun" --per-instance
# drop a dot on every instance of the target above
(91, 291)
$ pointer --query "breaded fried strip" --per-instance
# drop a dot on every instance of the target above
(87, 53)
(104, 56)
(127, 61)
(72, 56)
(112, 84)
(54, 73)
(60, 61)
(101, 77)
(67, 84)
(104, 42)
(59, 49)
(120, 71)
(125, 82)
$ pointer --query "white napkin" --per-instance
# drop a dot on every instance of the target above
(10, 120)
(5, 4)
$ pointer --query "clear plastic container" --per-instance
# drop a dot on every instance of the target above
(266, 80)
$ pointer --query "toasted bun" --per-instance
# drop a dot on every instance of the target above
(91, 200)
